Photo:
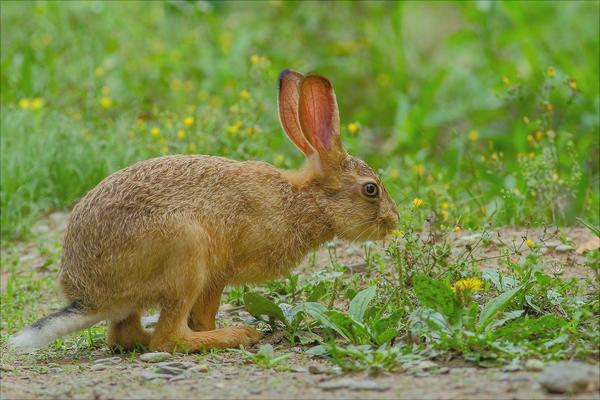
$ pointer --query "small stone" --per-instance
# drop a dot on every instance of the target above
(108, 361)
(55, 370)
(444, 371)
(98, 367)
(177, 364)
(563, 248)
(149, 376)
(471, 238)
(297, 369)
(4, 368)
(569, 377)
(169, 370)
(358, 267)
(155, 357)
(534, 365)
(199, 368)
(426, 365)
(178, 378)
(422, 374)
(514, 366)
(354, 384)
(315, 369)
(254, 391)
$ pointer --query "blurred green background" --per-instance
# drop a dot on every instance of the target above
(486, 112)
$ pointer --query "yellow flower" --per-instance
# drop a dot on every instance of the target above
(473, 136)
(494, 156)
(254, 59)
(530, 138)
(530, 243)
(353, 127)
(105, 102)
(555, 176)
(233, 129)
(482, 158)
(100, 71)
(244, 94)
(250, 130)
(445, 214)
(181, 134)
(394, 174)
(417, 202)
(279, 159)
(445, 205)
(188, 121)
(548, 106)
(531, 155)
(191, 148)
(398, 233)
(539, 135)
(155, 132)
(573, 83)
(550, 72)
(24, 104)
(505, 80)
(456, 229)
(468, 285)
(37, 103)
(419, 169)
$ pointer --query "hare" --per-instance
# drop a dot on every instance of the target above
(173, 231)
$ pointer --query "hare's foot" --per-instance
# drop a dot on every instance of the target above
(203, 313)
(173, 334)
(128, 334)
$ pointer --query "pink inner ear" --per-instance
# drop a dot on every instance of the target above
(289, 82)
(317, 110)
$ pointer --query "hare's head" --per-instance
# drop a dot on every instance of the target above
(348, 192)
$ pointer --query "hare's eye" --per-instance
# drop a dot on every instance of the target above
(370, 189)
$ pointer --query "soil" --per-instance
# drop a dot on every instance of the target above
(226, 375)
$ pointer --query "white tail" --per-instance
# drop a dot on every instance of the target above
(48, 329)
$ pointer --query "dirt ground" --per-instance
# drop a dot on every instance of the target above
(102, 374)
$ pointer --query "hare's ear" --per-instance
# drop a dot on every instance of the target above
(287, 100)
(320, 121)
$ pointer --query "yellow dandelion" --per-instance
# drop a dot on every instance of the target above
(254, 59)
(550, 72)
(531, 155)
(456, 229)
(191, 148)
(250, 130)
(398, 233)
(37, 103)
(473, 136)
(529, 243)
(181, 134)
(505, 80)
(482, 158)
(25, 104)
(573, 83)
(105, 102)
(100, 72)
(530, 138)
(494, 156)
(353, 128)
(188, 121)
(419, 169)
(555, 176)
(233, 129)
(244, 94)
(445, 214)
(445, 205)
(279, 159)
(548, 106)
(468, 285)
(155, 132)
(539, 135)
(417, 202)
(394, 174)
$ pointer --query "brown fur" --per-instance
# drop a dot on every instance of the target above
(173, 231)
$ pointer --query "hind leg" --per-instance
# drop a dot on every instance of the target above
(172, 332)
(202, 315)
(128, 333)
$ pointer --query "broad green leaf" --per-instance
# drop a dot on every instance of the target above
(496, 305)
(319, 313)
(258, 305)
(437, 295)
(318, 291)
(360, 302)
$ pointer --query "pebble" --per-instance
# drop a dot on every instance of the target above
(569, 377)
(177, 364)
(178, 378)
(98, 367)
(149, 376)
(169, 370)
(297, 369)
(354, 384)
(155, 357)
(426, 365)
(471, 238)
(444, 371)
(315, 370)
(422, 374)
(55, 370)
(563, 248)
(109, 360)
(534, 365)
(199, 368)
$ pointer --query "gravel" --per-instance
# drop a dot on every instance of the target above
(569, 377)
